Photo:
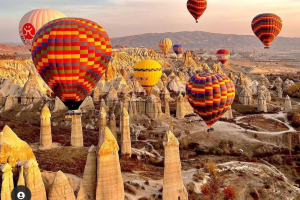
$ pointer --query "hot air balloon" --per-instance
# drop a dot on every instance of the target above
(32, 21)
(223, 55)
(71, 55)
(210, 94)
(196, 8)
(147, 73)
(165, 44)
(178, 49)
(266, 27)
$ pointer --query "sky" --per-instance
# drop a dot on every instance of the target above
(132, 17)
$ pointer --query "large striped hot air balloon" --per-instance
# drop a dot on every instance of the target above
(71, 55)
(196, 8)
(178, 49)
(32, 21)
(147, 73)
(266, 27)
(210, 94)
(165, 45)
(223, 55)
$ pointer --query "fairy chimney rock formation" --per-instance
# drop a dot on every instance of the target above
(34, 180)
(90, 173)
(102, 119)
(287, 105)
(45, 133)
(278, 83)
(59, 105)
(87, 105)
(231, 76)
(245, 96)
(61, 188)
(12, 148)
(10, 102)
(109, 178)
(96, 96)
(261, 103)
(173, 187)
(167, 107)
(180, 111)
(82, 194)
(7, 184)
(279, 92)
(113, 125)
(125, 140)
(21, 180)
(112, 97)
(152, 108)
(76, 132)
(31, 91)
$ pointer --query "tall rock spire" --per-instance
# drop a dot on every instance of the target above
(173, 187)
(45, 133)
(109, 178)
(76, 132)
(90, 173)
(125, 141)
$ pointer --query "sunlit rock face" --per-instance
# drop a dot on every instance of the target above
(31, 91)
(173, 187)
(61, 188)
(109, 178)
(12, 148)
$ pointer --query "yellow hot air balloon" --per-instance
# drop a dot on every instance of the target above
(165, 45)
(147, 73)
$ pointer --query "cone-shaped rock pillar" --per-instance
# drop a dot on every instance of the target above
(90, 173)
(76, 133)
(45, 133)
(125, 141)
(173, 187)
(109, 178)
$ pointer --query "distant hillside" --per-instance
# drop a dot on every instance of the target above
(10, 49)
(198, 40)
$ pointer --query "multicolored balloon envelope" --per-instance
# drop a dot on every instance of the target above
(196, 8)
(32, 21)
(178, 49)
(223, 55)
(266, 27)
(71, 55)
(147, 73)
(165, 45)
(210, 94)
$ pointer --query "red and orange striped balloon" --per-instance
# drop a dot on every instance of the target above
(71, 55)
(196, 8)
(210, 94)
(223, 55)
(266, 27)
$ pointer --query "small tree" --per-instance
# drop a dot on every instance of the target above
(229, 193)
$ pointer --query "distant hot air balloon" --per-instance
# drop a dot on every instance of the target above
(147, 73)
(210, 94)
(71, 55)
(223, 55)
(196, 8)
(178, 49)
(32, 21)
(165, 44)
(266, 27)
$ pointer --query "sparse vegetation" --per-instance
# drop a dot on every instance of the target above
(229, 193)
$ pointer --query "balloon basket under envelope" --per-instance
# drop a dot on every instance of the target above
(72, 114)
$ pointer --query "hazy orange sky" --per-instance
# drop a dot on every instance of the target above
(131, 17)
